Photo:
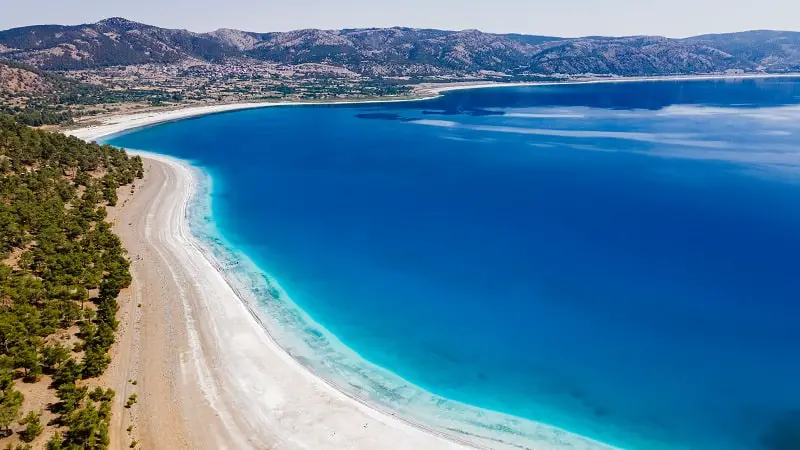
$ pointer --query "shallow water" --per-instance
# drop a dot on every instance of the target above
(616, 260)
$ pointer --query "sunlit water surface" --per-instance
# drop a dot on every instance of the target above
(616, 260)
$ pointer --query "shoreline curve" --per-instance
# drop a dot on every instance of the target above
(116, 124)
(259, 394)
(208, 299)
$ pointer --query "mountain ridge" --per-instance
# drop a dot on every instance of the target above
(402, 51)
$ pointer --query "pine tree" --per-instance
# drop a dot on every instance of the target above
(10, 405)
(33, 426)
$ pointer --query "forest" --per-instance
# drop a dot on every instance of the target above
(61, 270)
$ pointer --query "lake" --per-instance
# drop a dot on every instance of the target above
(617, 260)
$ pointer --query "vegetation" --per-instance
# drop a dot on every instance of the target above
(19, 447)
(131, 400)
(58, 99)
(60, 267)
(36, 115)
(44, 101)
(10, 404)
(33, 426)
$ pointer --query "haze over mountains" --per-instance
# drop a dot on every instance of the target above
(402, 51)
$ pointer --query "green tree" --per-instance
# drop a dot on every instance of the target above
(6, 373)
(67, 373)
(53, 356)
(27, 358)
(95, 362)
(104, 337)
(87, 429)
(10, 405)
(99, 394)
(70, 397)
(33, 426)
(54, 191)
(55, 443)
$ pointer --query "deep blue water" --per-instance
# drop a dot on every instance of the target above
(618, 260)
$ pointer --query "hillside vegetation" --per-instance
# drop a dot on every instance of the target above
(35, 97)
(61, 270)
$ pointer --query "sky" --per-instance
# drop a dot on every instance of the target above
(569, 18)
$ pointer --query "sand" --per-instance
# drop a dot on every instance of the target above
(117, 123)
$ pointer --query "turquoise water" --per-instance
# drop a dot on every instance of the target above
(616, 260)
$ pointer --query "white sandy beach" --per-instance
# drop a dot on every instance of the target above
(114, 124)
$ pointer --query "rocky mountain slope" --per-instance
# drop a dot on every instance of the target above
(109, 42)
(19, 81)
(777, 51)
(402, 51)
(37, 97)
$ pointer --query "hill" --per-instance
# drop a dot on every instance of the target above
(378, 52)
(36, 97)
(777, 51)
(32, 96)
(109, 42)
(15, 80)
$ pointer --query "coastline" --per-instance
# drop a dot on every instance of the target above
(577, 81)
(218, 380)
(115, 124)
(211, 407)
(118, 123)
(209, 375)
(247, 407)
(203, 386)
(178, 350)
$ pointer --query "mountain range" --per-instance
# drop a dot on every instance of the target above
(408, 52)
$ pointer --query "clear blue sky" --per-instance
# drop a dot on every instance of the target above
(673, 18)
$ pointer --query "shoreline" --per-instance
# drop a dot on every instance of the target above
(204, 391)
(209, 393)
(217, 379)
(115, 124)
(609, 80)
(212, 399)
(232, 380)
